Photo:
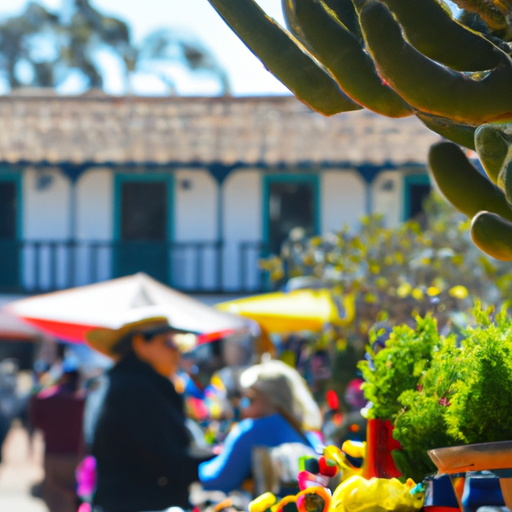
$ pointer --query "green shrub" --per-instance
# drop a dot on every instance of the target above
(398, 367)
(481, 406)
(463, 396)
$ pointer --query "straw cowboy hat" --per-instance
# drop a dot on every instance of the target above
(105, 340)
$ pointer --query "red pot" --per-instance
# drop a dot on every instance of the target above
(379, 461)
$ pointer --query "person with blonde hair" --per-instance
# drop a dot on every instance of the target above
(277, 408)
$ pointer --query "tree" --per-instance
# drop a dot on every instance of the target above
(89, 28)
(16, 36)
(164, 46)
(39, 48)
(400, 58)
(400, 272)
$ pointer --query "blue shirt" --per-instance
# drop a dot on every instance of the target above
(228, 470)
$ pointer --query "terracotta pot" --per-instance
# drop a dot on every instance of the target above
(380, 443)
(477, 457)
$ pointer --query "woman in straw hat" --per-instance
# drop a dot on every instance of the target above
(140, 440)
(278, 408)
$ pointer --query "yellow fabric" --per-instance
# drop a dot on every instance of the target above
(299, 310)
(376, 495)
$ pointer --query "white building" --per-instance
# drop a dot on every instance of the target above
(190, 190)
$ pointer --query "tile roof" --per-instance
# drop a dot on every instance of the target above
(250, 130)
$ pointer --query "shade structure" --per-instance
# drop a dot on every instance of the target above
(299, 310)
(69, 314)
(12, 328)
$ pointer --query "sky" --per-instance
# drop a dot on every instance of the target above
(195, 19)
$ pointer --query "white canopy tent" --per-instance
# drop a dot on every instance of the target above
(69, 314)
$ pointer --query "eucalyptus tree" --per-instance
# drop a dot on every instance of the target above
(18, 37)
(39, 48)
(165, 46)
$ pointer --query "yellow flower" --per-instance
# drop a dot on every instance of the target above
(374, 268)
(464, 226)
(370, 298)
(381, 283)
(341, 345)
(404, 290)
(458, 259)
(417, 294)
(459, 292)
(433, 291)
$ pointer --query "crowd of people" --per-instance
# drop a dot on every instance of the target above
(126, 442)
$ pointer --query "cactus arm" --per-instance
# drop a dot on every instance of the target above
(431, 87)
(492, 234)
(460, 133)
(462, 184)
(341, 53)
(343, 9)
(291, 21)
(284, 57)
(492, 143)
(505, 180)
(493, 13)
(346, 13)
(432, 31)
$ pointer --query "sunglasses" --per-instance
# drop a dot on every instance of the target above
(170, 341)
(151, 333)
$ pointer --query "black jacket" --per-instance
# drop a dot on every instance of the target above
(140, 442)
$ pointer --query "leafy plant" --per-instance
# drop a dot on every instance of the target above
(400, 272)
(396, 274)
(479, 409)
(398, 366)
(420, 425)
(463, 397)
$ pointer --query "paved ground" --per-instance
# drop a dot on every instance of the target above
(20, 469)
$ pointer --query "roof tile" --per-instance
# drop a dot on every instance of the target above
(275, 130)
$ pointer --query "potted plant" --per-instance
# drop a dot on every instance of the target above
(394, 365)
(462, 400)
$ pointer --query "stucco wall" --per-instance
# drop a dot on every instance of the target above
(95, 205)
(387, 196)
(46, 215)
(242, 223)
(342, 199)
(45, 206)
(195, 220)
(94, 223)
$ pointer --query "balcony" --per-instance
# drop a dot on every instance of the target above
(36, 266)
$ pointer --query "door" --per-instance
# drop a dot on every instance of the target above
(291, 202)
(143, 227)
(9, 244)
(417, 188)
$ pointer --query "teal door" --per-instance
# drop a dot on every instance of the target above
(9, 228)
(290, 201)
(416, 189)
(143, 226)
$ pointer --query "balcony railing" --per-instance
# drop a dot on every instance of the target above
(34, 266)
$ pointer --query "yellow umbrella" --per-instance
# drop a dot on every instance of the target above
(298, 310)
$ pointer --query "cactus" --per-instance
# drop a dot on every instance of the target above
(400, 58)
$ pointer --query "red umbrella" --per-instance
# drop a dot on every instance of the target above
(69, 314)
